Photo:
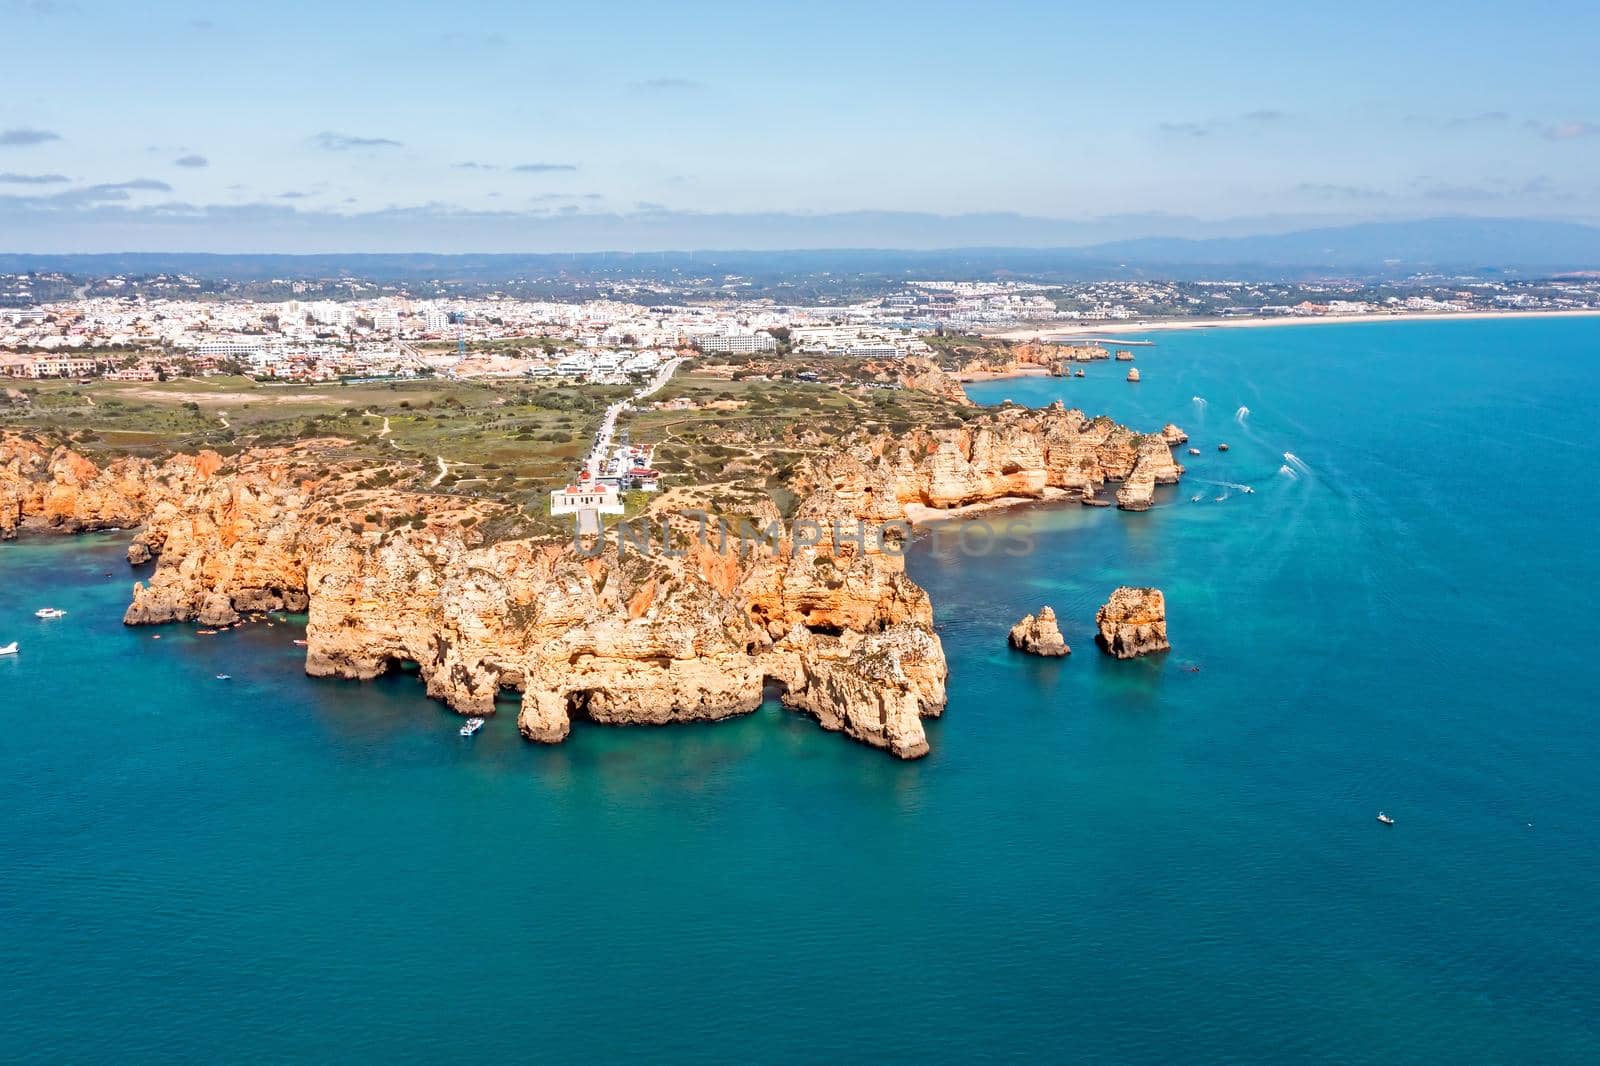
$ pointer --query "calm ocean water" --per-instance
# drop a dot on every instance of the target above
(1109, 861)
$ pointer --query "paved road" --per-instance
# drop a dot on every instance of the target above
(608, 425)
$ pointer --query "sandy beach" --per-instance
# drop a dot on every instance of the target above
(1028, 370)
(1088, 330)
(920, 515)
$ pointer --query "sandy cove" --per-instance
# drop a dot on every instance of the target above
(921, 515)
(1085, 330)
(1029, 370)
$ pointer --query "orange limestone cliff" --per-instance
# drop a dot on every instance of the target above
(388, 577)
(1039, 634)
(56, 489)
(1133, 622)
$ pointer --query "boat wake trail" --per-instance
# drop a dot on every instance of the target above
(1198, 401)
(1241, 414)
(1288, 471)
(1295, 461)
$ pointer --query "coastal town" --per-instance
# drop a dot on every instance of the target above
(130, 329)
(595, 342)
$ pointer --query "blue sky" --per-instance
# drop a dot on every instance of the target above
(493, 126)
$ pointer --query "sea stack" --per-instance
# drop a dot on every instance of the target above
(1133, 622)
(1133, 375)
(1039, 635)
(1173, 435)
(1138, 491)
(1124, 356)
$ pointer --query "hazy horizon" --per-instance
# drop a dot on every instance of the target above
(360, 127)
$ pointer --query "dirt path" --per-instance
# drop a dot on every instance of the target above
(370, 413)
(444, 468)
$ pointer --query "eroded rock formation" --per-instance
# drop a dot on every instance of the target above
(1039, 634)
(925, 375)
(1011, 452)
(821, 611)
(56, 489)
(1133, 622)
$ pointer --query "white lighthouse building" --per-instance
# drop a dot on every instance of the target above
(588, 499)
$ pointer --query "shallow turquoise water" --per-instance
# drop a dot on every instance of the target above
(1099, 861)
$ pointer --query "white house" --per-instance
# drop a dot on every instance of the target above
(588, 500)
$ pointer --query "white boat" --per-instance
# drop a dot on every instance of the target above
(9, 649)
(472, 726)
(1385, 819)
(223, 677)
(48, 612)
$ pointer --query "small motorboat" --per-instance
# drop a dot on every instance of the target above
(472, 726)
(205, 632)
(299, 643)
(224, 677)
(1194, 451)
(1385, 819)
(9, 649)
(49, 612)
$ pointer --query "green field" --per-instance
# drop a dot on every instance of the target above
(498, 439)
(512, 441)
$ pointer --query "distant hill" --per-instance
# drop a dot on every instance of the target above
(1374, 249)
(1444, 243)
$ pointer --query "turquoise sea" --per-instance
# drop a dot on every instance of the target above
(1100, 861)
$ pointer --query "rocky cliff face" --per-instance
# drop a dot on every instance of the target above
(1012, 452)
(627, 640)
(1133, 622)
(842, 634)
(387, 577)
(925, 375)
(1039, 634)
(56, 489)
(1153, 465)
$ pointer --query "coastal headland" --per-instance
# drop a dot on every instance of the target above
(483, 596)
